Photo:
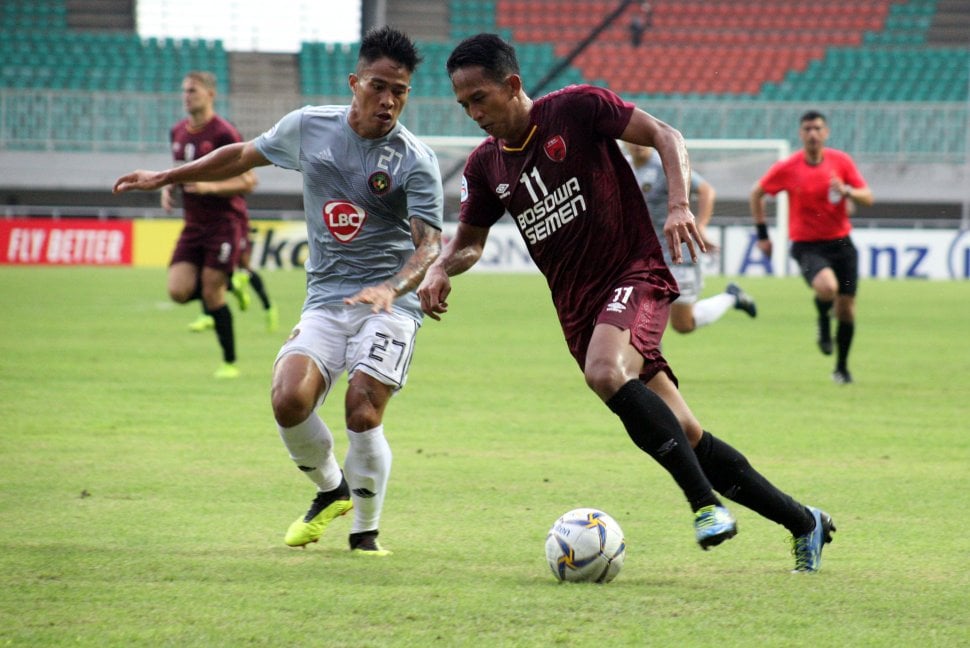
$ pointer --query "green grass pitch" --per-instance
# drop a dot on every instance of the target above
(143, 503)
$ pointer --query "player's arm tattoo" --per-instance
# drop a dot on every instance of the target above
(427, 247)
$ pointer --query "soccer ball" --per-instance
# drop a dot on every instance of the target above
(585, 545)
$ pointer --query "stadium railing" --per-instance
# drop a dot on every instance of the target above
(904, 132)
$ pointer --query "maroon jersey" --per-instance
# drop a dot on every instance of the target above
(190, 144)
(575, 200)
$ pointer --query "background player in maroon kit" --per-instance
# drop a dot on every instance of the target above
(208, 247)
(555, 166)
(821, 183)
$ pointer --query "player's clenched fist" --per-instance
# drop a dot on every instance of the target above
(433, 292)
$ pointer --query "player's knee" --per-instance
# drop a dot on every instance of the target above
(682, 326)
(362, 419)
(365, 403)
(290, 408)
(179, 295)
(825, 285)
(604, 378)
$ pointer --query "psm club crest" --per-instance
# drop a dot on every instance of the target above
(555, 148)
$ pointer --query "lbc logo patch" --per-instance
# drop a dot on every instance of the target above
(343, 219)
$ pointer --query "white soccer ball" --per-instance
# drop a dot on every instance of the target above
(585, 545)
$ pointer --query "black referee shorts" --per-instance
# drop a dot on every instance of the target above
(840, 255)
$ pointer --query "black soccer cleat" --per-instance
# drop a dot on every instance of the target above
(842, 377)
(742, 300)
(364, 543)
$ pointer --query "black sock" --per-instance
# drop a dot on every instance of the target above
(843, 337)
(257, 283)
(733, 477)
(223, 322)
(654, 428)
(824, 308)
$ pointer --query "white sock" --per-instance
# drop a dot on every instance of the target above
(310, 444)
(367, 469)
(711, 309)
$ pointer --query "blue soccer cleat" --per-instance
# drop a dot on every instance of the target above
(713, 525)
(807, 548)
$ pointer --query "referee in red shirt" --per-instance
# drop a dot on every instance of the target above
(822, 183)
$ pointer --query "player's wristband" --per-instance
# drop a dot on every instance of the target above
(762, 229)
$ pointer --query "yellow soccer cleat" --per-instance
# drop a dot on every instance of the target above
(239, 284)
(227, 370)
(202, 323)
(325, 508)
(272, 318)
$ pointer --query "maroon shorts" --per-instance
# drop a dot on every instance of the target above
(212, 245)
(245, 233)
(641, 308)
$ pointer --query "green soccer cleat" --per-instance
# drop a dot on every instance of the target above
(713, 525)
(807, 548)
(202, 323)
(239, 284)
(226, 370)
(325, 508)
(365, 544)
(272, 319)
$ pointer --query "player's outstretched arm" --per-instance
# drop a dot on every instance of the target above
(460, 254)
(427, 246)
(222, 163)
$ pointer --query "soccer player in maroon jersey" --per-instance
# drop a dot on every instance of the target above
(822, 183)
(208, 248)
(555, 166)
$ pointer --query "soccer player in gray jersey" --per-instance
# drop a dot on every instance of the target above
(686, 313)
(554, 165)
(373, 201)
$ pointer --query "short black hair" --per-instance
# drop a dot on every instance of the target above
(385, 41)
(812, 115)
(489, 51)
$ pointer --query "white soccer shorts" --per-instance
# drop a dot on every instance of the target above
(338, 337)
(690, 282)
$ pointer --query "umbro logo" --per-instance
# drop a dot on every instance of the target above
(615, 307)
(502, 190)
(667, 447)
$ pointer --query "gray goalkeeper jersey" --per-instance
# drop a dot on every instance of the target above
(359, 196)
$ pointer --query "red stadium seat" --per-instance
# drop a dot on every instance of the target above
(709, 46)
